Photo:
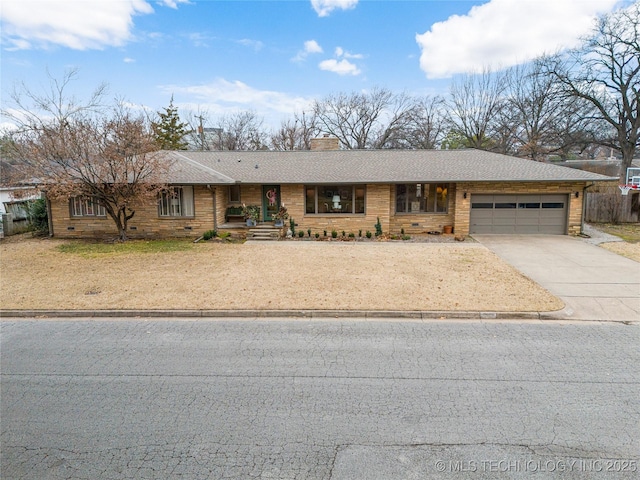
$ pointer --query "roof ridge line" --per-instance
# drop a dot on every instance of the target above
(203, 167)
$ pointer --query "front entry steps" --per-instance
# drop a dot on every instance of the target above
(264, 233)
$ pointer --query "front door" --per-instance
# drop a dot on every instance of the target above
(270, 201)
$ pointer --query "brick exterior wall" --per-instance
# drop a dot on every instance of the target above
(146, 222)
(379, 203)
(325, 143)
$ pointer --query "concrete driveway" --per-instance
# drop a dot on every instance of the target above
(594, 284)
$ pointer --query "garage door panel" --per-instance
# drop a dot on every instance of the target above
(552, 220)
(527, 229)
(482, 229)
(503, 222)
(503, 229)
(526, 214)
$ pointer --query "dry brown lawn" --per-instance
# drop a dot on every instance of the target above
(35, 274)
(629, 250)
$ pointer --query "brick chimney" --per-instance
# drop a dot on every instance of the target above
(325, 143)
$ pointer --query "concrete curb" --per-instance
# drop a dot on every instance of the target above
(370, 314)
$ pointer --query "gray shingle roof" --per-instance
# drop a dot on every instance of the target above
(184, 170)
(366, 166)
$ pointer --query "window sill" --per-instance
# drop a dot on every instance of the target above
(335, 214)
(413, 214)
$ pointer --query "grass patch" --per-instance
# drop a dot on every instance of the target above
(92, 249)
(629, 232)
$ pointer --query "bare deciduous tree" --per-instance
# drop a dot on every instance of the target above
(296, 134)
(605, 72)
(242, 131)
(546, 121)
(474, 107)
(70, 149)
(202, 136)
(364, 120)
(426, 127)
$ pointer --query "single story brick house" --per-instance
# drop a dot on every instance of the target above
(417, 191)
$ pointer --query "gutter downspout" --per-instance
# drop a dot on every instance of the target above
(49, 216)
(584, 206)
(215, 207)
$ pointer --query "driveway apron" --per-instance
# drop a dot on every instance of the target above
(594, 284)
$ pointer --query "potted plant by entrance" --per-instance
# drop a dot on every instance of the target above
(280, 216)
(251, 214)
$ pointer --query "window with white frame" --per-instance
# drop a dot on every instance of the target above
(422, 198)
(86, 206)
(176, 202)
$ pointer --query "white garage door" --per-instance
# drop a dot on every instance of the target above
(519, 214)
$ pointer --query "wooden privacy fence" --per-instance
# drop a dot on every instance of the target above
(610, 206)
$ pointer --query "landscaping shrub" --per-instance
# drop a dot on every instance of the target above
(38, 217)
(378, 228)
(209, 234)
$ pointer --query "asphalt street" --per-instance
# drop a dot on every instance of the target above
(308, 399)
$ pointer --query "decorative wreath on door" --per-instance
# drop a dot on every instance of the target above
(271, 196)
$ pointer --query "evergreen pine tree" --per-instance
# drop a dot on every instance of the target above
(169, 131)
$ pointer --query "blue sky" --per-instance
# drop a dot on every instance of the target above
(275, 57)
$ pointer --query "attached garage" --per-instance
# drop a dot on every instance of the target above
(519, 214)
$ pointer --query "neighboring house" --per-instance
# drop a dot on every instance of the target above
(14, 200)
(603, 201)
(417, 191)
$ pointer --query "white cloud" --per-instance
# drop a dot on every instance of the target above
(324, 7)
(79, 25)
(340, 52)
(310, 46)
(503, 33)
(173, 3)
(342, 67)
(128, 60)
(199, 39)
(255, 44)
(223, 96)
